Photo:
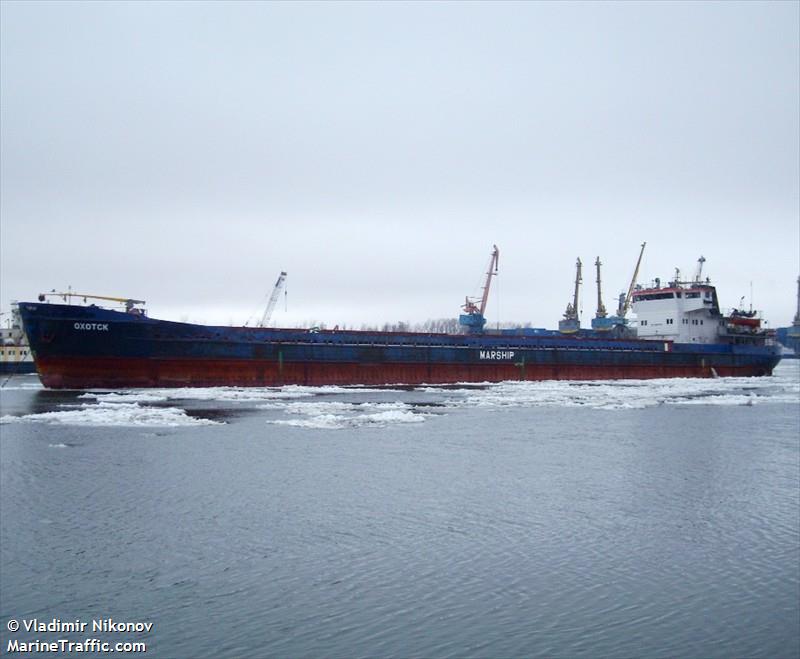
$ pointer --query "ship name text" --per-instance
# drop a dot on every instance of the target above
(496, 354)
(98, 327)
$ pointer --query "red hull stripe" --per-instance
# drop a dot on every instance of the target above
(114, 372)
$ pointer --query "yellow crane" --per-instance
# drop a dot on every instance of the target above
(67, 297)
(625, 302)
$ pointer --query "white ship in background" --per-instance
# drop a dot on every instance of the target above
(15, 353)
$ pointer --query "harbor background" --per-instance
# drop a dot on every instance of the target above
(627, 518)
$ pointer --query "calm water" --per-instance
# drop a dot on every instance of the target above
(613, 519)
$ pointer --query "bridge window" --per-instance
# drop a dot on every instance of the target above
(656, 296)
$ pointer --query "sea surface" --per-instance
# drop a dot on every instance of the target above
(652, 518)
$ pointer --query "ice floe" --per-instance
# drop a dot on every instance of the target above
(113, 414)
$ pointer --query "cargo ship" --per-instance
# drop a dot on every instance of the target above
(681, 333)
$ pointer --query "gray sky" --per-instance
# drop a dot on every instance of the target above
(185, 153)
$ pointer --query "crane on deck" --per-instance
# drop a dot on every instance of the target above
(616, 323)
(67, 297)
(601, 308)
(473, 319)
(602, 322)
(571, 322)
(625, 300)
(273, 299)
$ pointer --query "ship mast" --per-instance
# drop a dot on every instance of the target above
(601, 309)
(699, 271)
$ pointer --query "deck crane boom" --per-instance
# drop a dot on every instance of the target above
(571, 321)
(625, 303)
(473, 319)
(128, 302)
(272, 299)
(601, 309)
(578, 280)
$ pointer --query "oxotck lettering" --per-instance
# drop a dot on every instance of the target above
(98, 327)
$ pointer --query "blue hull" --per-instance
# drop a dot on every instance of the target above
(88, 347)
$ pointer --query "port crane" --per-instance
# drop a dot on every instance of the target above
(273, 299)
(571, 321)
(473, 319)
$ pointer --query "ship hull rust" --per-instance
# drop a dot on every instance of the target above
(114, 373)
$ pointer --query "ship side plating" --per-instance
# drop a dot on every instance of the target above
(682, 333)
(91, 347)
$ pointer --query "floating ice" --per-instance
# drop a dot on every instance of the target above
(630, 394)
(344, 414)
(113, 414)
(21, 386)
(337, 421)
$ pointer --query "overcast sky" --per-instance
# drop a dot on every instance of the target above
(185, 153)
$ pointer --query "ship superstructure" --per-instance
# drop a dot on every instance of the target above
(689, 312)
